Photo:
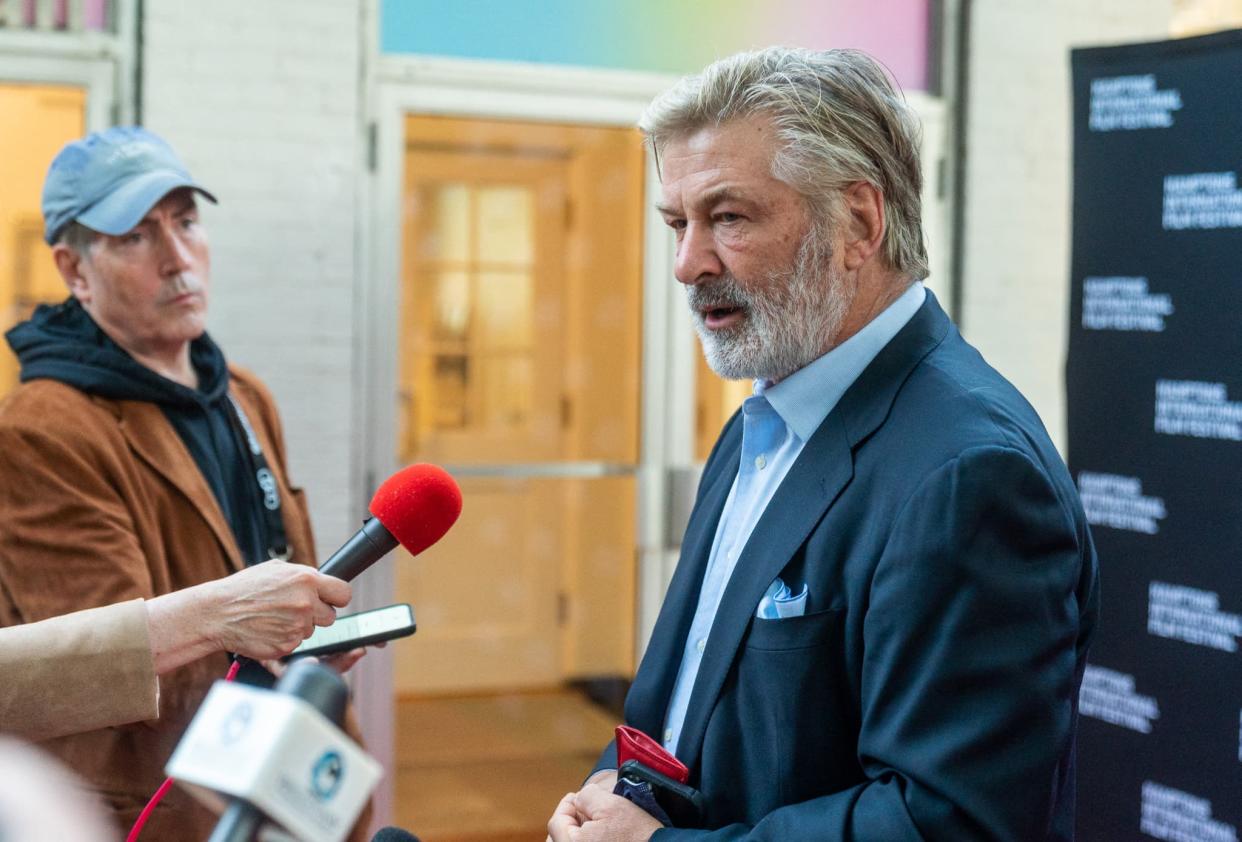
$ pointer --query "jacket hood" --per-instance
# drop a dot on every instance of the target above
(62, 342)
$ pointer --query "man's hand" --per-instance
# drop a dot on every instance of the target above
(605, 779)
(262, 612)
(265, 611)
(594, 814)
(341, 661)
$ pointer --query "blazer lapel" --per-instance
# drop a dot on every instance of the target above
(823, 468)
(648, 698)
(821, 471)
(151, 436)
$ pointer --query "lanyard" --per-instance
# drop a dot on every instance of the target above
(277, 543)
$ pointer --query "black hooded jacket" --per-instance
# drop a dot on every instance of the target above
(64, 344)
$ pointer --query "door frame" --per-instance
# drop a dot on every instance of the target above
(532, 93)
(102, 62)
(94, 75)
(396, 85)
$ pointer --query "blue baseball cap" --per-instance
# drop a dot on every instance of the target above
(109, 180)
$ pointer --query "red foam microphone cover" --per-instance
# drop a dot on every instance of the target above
(417, 504)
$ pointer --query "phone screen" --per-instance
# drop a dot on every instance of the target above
(359, 629)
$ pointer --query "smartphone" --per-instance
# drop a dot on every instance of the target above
(682, 802)
(361, 629)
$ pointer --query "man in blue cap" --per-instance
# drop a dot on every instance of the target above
(135, 460)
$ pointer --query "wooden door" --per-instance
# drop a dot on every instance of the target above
(519, 361)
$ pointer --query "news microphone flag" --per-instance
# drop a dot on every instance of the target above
(280, 755)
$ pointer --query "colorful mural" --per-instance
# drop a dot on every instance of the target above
(94, 13)
(670, 36)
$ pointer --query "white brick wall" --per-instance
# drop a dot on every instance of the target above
(1017, 212)
(261, 99)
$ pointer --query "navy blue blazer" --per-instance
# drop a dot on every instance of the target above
(930, 690)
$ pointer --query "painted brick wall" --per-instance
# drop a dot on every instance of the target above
(1019, 149)
(261, 99)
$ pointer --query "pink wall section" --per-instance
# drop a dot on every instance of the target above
(896, 31)
(95, 12)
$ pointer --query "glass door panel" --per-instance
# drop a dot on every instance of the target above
(469, 354)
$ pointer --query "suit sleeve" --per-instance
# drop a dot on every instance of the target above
(53, 671)
(969, 667)
(67, 540)
(607, 760)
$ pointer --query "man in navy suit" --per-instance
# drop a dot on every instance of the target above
(879, 623)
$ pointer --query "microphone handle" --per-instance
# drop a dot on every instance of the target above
(369, 544)
(240, 823)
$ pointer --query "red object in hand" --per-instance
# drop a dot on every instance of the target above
(633, 744)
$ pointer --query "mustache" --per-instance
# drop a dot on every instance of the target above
(182, 284)
(723, 293)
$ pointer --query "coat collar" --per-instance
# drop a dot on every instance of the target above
(821, 472)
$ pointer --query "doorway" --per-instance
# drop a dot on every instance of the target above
(519, 367)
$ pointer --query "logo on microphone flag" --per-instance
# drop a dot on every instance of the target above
(327, 775)
(236, 724)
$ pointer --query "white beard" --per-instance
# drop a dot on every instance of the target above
(789, 321)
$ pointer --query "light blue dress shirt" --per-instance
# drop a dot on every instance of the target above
(777, 422)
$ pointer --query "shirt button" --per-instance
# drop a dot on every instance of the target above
(760, 462)
(701, 645)
(668, 735)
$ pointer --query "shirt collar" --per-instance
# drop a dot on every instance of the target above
(804, 398)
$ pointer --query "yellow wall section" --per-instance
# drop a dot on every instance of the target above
(38, 120)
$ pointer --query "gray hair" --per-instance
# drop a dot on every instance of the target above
(78, 237)
(841, 119)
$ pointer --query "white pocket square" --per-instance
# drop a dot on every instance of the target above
(779, 602)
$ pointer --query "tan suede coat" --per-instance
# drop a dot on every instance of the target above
(53, 671)
(101, 502)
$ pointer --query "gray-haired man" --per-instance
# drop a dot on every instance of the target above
(135, 460)
(880, 619)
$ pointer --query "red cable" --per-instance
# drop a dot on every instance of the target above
(167, 785)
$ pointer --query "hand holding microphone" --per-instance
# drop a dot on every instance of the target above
(267, 610)
(261, 612)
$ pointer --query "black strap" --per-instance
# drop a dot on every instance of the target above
(269, 493)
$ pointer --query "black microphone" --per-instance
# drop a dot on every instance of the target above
(414, 507)
(324, 690)
(393, 834)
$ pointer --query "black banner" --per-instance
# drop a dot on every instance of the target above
(1155, 434)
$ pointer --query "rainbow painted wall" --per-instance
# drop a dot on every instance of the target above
(669, 36)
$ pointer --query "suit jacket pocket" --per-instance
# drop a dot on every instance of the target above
(805, 632)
